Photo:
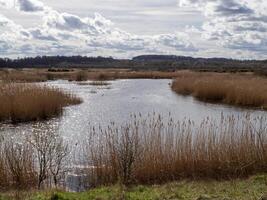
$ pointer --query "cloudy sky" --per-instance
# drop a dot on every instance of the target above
(126, 28)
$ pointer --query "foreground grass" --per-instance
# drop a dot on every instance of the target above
(249, 189)
(30, 102)
(237, 90)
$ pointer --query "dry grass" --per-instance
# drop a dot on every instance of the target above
(22, 76)
(239, 90)
(149, 150)
(102, 75)
(40, 75)
(34, 160)
(29, 102)
(16, 166)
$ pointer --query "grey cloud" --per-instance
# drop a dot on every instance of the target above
(231, 7)
(38, 34)
(30, 5)
(235, 24)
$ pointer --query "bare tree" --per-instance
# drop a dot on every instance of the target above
(59, 155)
(50, 153)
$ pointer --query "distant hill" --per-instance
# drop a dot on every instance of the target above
(142, 62)
(173, 58)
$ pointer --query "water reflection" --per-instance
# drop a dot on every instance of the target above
(115, 103)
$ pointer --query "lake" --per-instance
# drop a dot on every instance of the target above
(115, 103)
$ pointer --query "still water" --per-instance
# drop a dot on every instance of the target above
(117, 101)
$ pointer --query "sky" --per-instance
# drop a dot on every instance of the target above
(127, 28)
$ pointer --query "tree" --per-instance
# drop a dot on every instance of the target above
(61, 151)
(50, 154)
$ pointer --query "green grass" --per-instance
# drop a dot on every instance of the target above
(250, 189)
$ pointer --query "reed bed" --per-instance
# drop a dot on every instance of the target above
(36, 160)
(112, 75)
(150, 150)
(16, 166)
(146, 150)
(41, 75)
(22, 76)
(238, 90)
(30, 102)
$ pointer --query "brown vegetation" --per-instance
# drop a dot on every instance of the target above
(33, 162)
(40, 75)
(240, 90)
(149, 150)
(29, 102)
(11, 75)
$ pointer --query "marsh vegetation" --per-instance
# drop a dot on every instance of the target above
(41, 75)
(140, 150)
(146, 150)
(21, 102)
(151, 151)
(239, 90)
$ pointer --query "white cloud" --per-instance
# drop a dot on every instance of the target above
(6, 3)
(64, 33)
(234, 24)
(234, 28)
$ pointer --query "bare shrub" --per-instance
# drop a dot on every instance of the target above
(59, 153)
(20, 164)
(50, 152)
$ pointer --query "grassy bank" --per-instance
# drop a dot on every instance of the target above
(237, 90)
(248, 189)
(30, 102)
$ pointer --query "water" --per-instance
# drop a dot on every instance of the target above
(116, 102)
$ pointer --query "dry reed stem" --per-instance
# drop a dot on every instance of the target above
(151, 150)
(239, 90)
(29, 102)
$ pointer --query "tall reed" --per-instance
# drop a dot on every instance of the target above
(29, 102)
(33, 161)
(151, 150)
(239, 90)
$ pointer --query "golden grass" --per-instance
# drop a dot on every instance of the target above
(40, 75)
(102, 75)
(12, 75)
(150, 150)
(238, 90)
(29, 102)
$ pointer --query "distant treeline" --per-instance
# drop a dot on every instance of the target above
(144, 62)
